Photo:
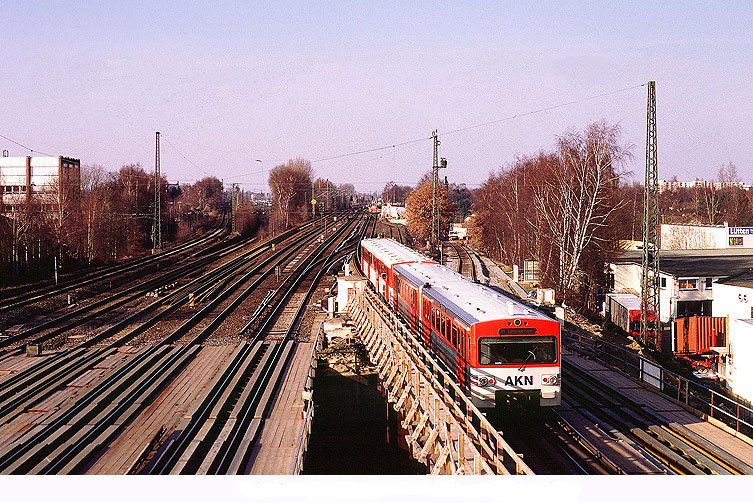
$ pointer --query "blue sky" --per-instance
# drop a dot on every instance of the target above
(231, 83)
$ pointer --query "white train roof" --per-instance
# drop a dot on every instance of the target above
(390, 252)
(471, 302)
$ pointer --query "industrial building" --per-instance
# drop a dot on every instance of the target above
(707, 283)
(50, 180)
(687, 277)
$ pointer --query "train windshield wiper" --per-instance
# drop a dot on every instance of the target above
(531, 354)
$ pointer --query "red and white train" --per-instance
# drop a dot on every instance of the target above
(499, 349)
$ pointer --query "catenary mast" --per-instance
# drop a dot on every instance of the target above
(650, 333)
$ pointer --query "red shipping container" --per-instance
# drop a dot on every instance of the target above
(698, 334)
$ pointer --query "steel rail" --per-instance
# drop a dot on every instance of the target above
(172, 453)
(229, 454)
(111, 302)
(100, 275)
(686, 451)
(44, 287)
(606, 463)
(10, 457)
(71, 364)
(101, 433)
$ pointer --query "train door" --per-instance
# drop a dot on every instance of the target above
(414, 311)
(458, 340)
(382, 286)
(428, 322)
(466, 357)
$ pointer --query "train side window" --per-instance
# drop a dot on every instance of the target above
(454, 335)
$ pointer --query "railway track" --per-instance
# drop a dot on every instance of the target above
(666, 447)
(65, 323)
(18, 297)
(385, 229)
(465, 264)
(24, 389)
(72, 438)
(220, 436)
(550, 446)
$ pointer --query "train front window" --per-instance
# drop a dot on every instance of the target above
(517, 350)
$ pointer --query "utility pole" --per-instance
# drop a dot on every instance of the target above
(234, 206)
(650, 335)
(157, 232)
(435, 216)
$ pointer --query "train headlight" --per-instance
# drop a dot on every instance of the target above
(485, 381)
(550, 379)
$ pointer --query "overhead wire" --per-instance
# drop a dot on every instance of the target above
(24, 146)
(396, 145)
(483, 124)
(162, 136)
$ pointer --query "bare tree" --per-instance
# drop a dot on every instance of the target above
(574, 200)
(291, 188)
(709, 204)
(394, 193)
(728, 173)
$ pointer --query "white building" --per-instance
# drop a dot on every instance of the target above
(734, 299)
(705, 237)
(395, 212)
(51, 179)
(734, 296)
(698, 183)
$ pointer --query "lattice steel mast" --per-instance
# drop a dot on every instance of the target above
(650, 333)
(157, 229)
(234, 206)
(436, 228)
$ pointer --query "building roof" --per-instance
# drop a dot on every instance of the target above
(744, 279)
(628, 300)
(696, 263)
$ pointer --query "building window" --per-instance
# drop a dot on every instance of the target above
(663, 282)
(689, 284)
(709, 282)
(735, 240)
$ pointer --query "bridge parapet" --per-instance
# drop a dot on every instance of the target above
(443, 428)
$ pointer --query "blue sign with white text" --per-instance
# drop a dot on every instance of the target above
(740, 231)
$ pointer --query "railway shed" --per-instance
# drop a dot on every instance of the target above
(688, 278)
